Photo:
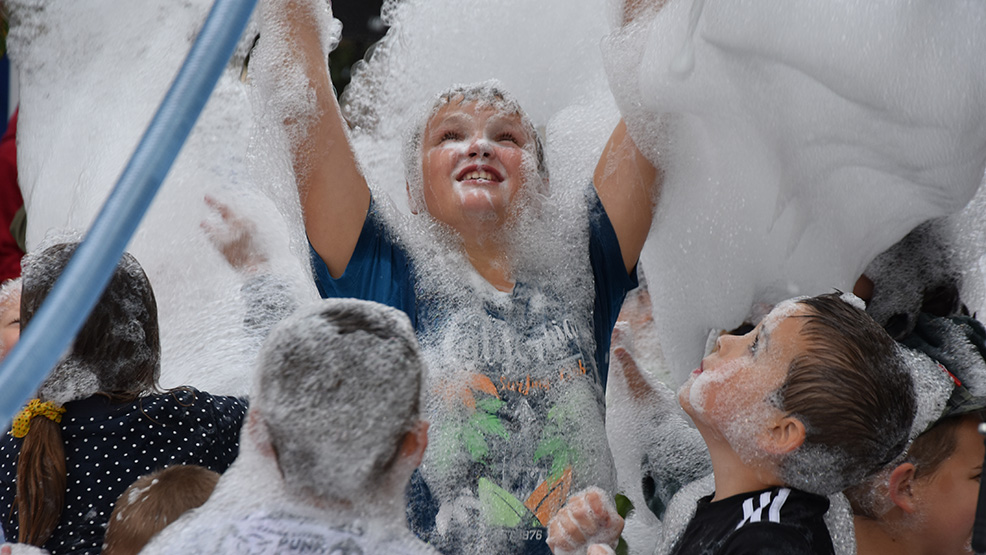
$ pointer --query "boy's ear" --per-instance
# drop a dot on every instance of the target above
(902, 487)
(787, 434)
(412, 203)
(258, 433)
(414, 443)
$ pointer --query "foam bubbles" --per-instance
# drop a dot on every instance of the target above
(682, 509)
(932, 388)
(561, 72)
(839, 520)
(655, 450)
(806, 139)
(853, 300)
(82, 111)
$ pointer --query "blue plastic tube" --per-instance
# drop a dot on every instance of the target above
(76, 292)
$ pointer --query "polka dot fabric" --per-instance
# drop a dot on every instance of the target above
(108, 446)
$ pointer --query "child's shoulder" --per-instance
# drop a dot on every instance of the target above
(186, 400)
(777, 520)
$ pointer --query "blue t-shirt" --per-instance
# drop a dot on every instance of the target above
(517, 385)
(381, 270)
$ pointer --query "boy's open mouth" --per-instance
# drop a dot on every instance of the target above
(479, 174)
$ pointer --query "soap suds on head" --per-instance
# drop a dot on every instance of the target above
(347, 372)
(117, 350)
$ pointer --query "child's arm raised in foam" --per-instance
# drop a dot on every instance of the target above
(627, 182)
(333, 191)
(628, 185)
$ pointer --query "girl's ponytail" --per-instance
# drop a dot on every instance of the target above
(41, 481)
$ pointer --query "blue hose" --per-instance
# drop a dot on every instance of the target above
(76, 292)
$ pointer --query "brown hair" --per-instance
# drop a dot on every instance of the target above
(936, 444)
(118, 345)
(853, 392)
(152, 502)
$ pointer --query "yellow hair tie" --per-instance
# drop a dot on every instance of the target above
(22, 422)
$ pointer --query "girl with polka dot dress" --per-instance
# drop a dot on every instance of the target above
(100, 421)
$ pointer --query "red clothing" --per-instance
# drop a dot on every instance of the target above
(10, 202)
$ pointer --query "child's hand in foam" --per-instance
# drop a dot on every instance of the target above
(235, 237)
(588, 523)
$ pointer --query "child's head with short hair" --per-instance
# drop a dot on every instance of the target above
(816, 397)
(349, 374)
(154, 501)
(927, 499)
(852, 389)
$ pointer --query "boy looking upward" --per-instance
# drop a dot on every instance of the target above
(513, 306)
(813, 400)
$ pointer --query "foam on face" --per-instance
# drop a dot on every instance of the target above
(726, 371)
(486, 95)
(484, 98)
(744, 428)
(696, 394)
(735, 395)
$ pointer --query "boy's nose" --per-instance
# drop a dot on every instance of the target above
(480, 148)
(725, 342)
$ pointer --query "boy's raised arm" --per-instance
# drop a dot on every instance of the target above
(628, 185)
(333, 191)
(627, 182)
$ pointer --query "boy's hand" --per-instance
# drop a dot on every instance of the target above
(588, 518)
(235, 238)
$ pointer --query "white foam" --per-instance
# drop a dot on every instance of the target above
(798, 147)
(82, 112)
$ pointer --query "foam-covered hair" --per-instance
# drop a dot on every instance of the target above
(487, 93)
(338, 386)
(118, 350)
(9, 290)
(853, 391)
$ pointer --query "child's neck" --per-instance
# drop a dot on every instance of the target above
(732, 475)
(873, 538)
(491, 262)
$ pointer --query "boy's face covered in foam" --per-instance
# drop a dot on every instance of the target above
(475, 161)
(729, 394)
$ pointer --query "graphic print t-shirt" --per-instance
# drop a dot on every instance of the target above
(516, 385)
